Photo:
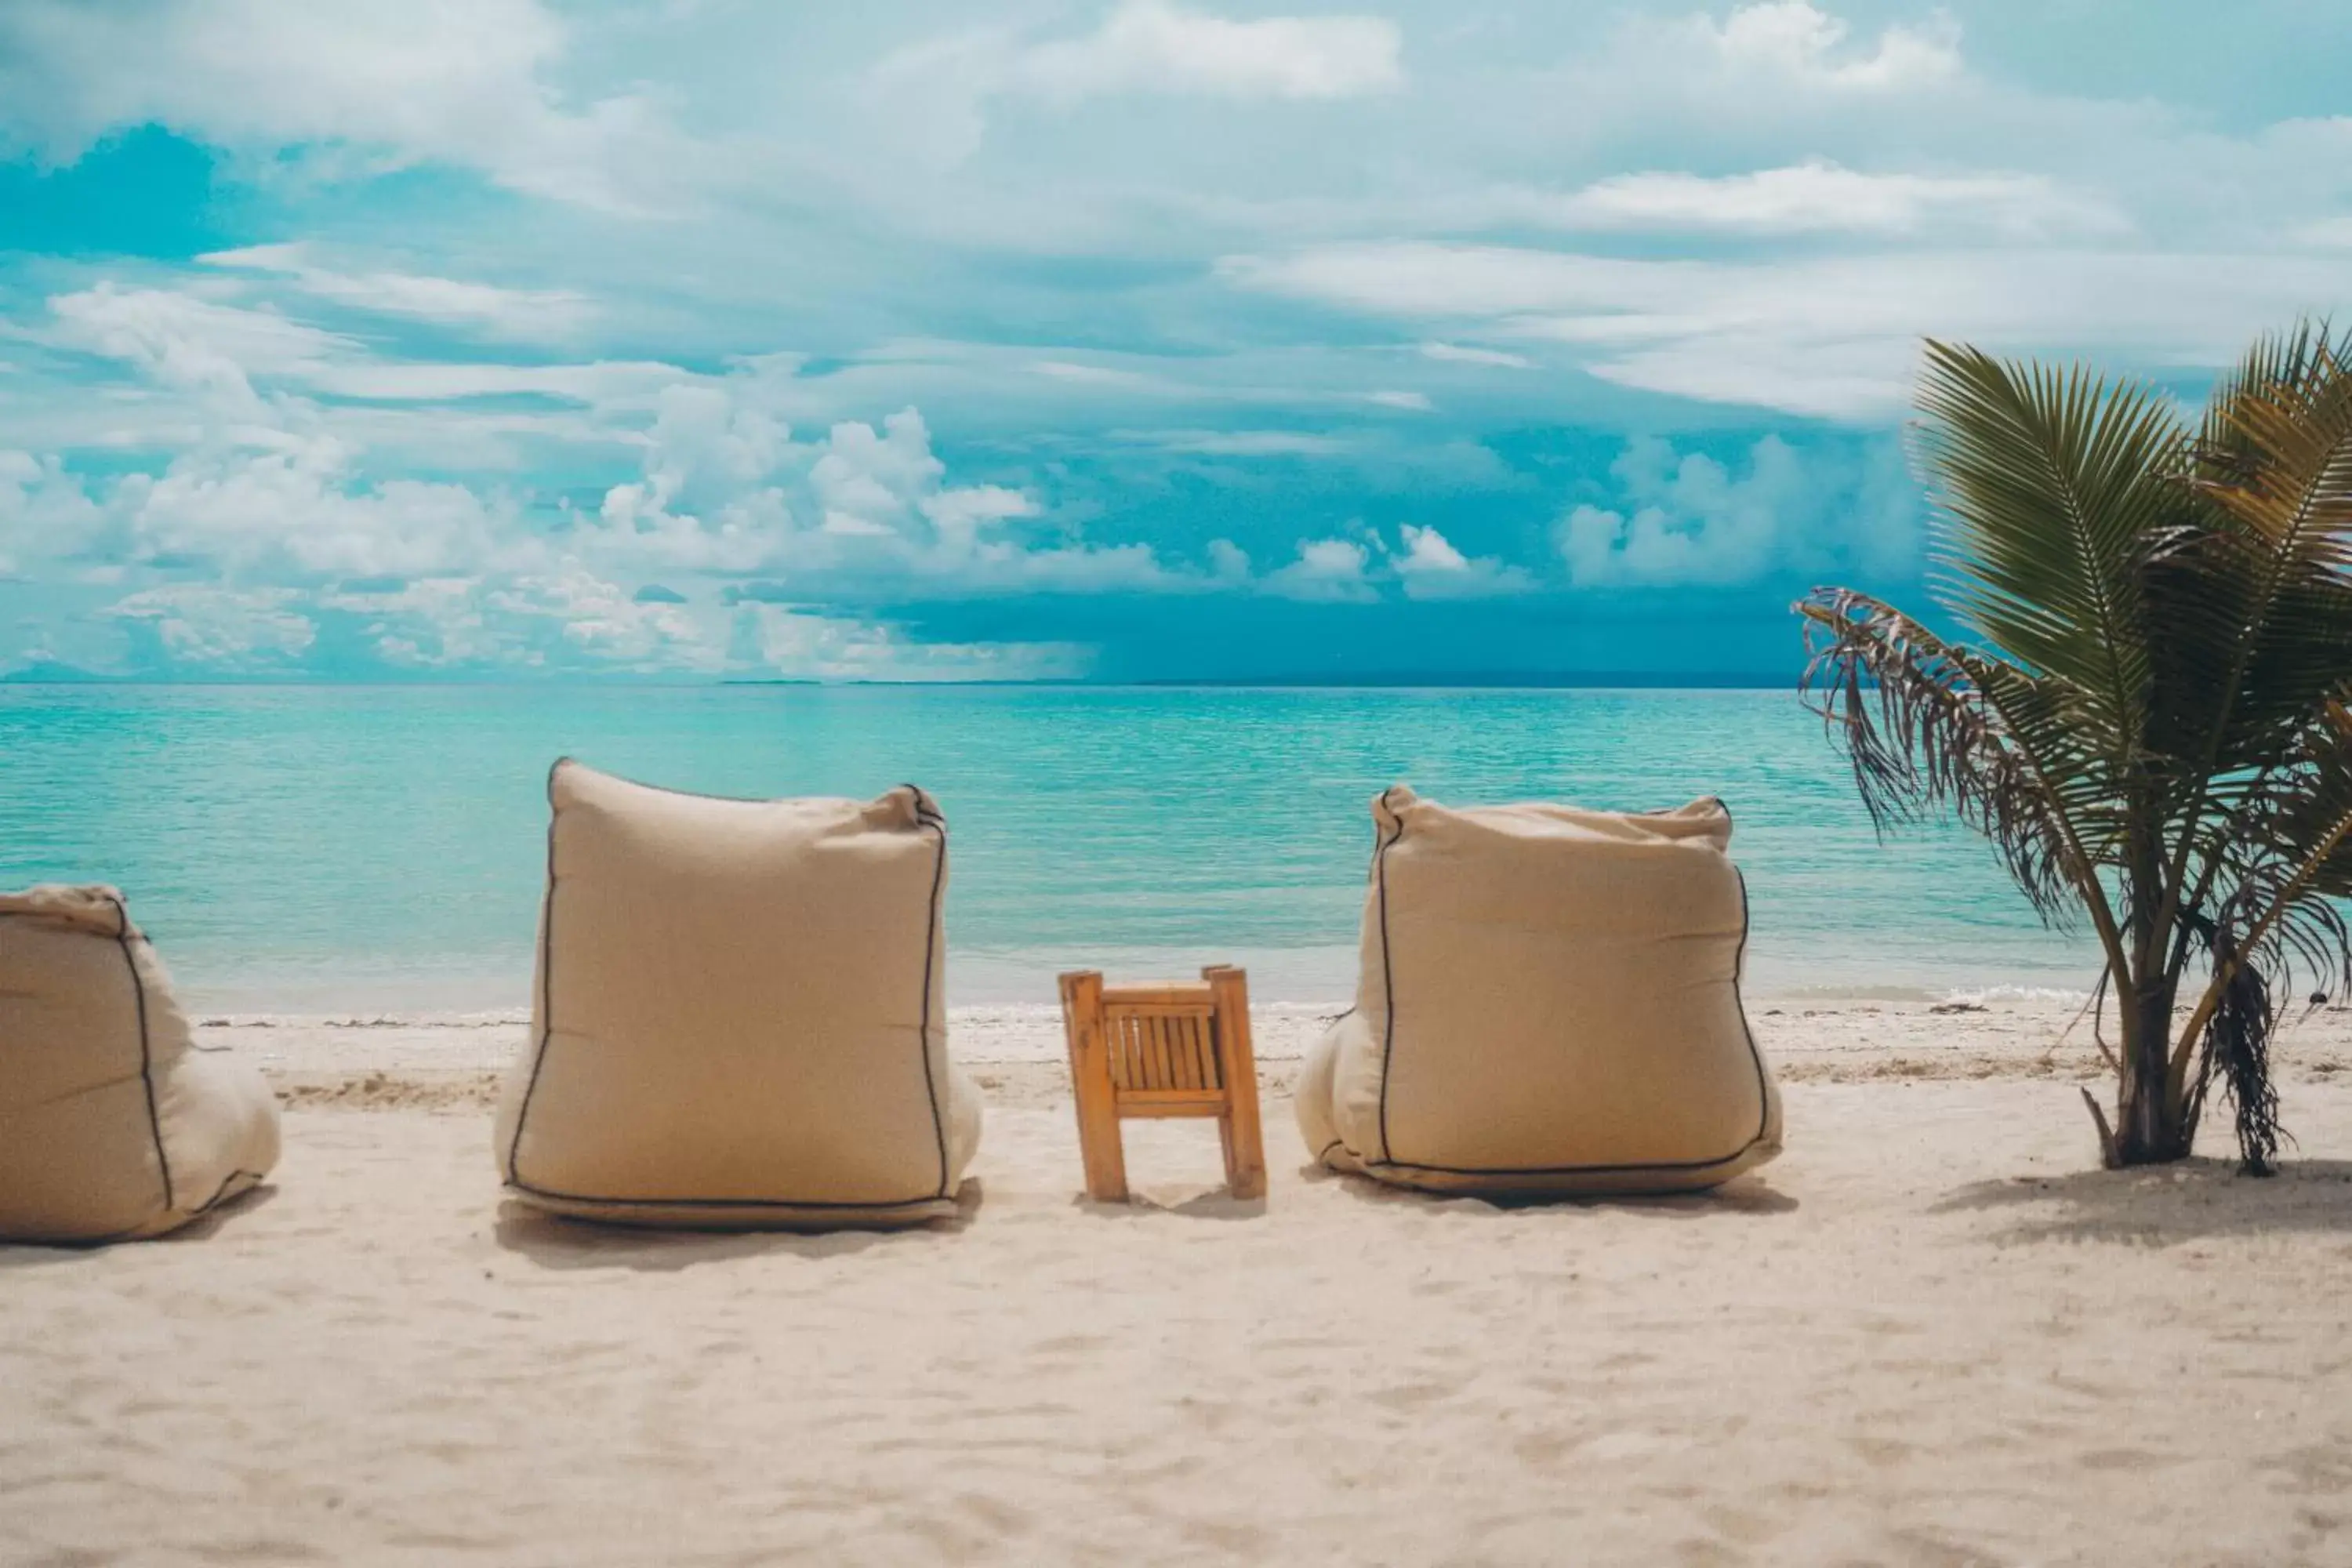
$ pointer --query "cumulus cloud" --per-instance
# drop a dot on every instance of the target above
(289, 531)
(45, 514)
(1799, 43)
(1430, 568)
(1792, 192)
(1686, 519)
(868, 482)
(864, 509)
(1330, 570)
(303, 513)
(1152, 46)
(807, 645)
(222, 630)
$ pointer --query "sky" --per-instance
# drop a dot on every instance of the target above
(1139, 341)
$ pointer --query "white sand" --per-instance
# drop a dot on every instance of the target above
(1926, 1335)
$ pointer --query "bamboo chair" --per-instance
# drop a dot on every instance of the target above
(1172, 1049)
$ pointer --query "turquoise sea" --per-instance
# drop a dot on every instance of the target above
(380, 848)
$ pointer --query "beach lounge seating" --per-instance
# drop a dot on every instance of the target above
(1549, 1003)
(112, 1127)
(739, 1017)
(1176, 1049)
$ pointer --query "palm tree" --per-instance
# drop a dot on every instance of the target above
(2145, 709)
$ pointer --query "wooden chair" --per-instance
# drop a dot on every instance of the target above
(1173, 1049)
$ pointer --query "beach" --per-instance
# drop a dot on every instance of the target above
(1428, 731)
(1931, 1332)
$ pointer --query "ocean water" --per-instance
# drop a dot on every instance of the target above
(380, 848)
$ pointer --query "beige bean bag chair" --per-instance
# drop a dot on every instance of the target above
(1549, 1004)
(741, 1015)
(112, 1127)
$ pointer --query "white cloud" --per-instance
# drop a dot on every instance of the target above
(608, 622)
(1431, 281)
(1822, 197)
(303, 513)
(433, 623)
(1243, 443)
(1685, 519)
(1432, 568)
(45, 514)
(1457, 353)
(222, 629)
(1152, 46)
(807, 644)
(726, 490)
(870, 482)
(1091, 374)
(601, 381)
(1833, 336)
(216, 352)
(1798, 42)
(723, 489)
(460, 81)
(191, 344)
(928, 103)
(525, 314)
(1409, 402)
(958, 516)
(634, 525)
(1327, 569)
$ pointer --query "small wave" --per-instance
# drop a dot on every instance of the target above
(498, 1020)
(1944, 994)
(2073, 996)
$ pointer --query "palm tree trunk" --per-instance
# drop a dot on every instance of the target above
(2152, 1124)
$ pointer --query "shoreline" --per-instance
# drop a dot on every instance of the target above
(455, 1062)
(206, 1011)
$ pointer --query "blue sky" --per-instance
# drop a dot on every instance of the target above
(1143, 340)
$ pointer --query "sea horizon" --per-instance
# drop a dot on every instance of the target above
(342, 849)
(1617, 681)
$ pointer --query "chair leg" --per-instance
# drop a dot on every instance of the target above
(1090, 1087)
(1239, 1130)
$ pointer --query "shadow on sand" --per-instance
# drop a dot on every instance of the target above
(556, 1241)
(32, 1255)
(1742, 1195)
(1214, 1204)
(2163, 1205)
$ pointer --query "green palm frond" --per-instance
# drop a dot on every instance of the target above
(2051, 490)
(2149, 719)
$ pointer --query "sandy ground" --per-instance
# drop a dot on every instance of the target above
(1927, 1334)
